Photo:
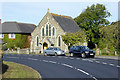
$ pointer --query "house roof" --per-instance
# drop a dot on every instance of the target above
(66, 23)
(15, 27)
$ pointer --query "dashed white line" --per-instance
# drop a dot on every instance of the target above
(85, 59)
(111, 64)
(32, 59)
(118, 66)
(59, 57)
(71, 58)
(45, 60)
(67, 65)
(90, 60)
(78, 58)
(13, 57)
(52, 62)
(83, 71)
(65, 57)
(104, 63)
(97, 61)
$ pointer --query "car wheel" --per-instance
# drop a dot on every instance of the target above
(83, 55)
(55, 54)
(92, 56)
(71, 54)
(45, 54)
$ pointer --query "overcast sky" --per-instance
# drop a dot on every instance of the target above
(33, 12)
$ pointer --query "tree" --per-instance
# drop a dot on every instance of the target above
(91, 19)
(109, 37)
(74, 38)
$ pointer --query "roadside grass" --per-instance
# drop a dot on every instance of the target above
(15, 70)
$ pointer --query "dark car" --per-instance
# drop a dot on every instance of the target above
(82, 51)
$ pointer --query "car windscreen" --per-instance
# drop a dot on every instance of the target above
(84, 47)
(57, 49)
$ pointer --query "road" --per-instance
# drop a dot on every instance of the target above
(64, 67)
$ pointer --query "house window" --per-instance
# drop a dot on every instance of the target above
(53, 31)
(12, 36)
(46, 29)
(1, 35)
(42, 31)
(49, 30)
(59, 41)
(37, 41)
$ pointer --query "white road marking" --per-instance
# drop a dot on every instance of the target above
(87, 73)
(65, 57)
(32, 59)
(93, 59)
(59, 57)
(97, 61)
(83, 71)
(67, 65)
(52, 62)
(85, 59)
(45, 60)
(71, 58)
(118, 66)
(13, 57)
(90, 60)
(111, 64)
(104, 63)
(78, 58)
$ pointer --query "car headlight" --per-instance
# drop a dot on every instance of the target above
(86, 51)
(59, 52)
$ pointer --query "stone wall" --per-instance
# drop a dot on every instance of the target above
(19, 51)
(48, 18)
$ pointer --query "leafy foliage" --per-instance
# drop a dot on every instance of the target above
(74, 38)
(109, 37)
(91, 19)
(20, 41)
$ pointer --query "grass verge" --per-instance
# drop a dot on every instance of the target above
(15, 70)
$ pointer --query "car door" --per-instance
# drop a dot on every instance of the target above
(75, 50)
(52, 51)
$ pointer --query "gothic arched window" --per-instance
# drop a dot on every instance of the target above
(59, 41)
(37, 41)
(49, 30)
(42, 31)
(46, 29)
(53, 31)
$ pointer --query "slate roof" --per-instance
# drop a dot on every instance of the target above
(66, 23)
(15, 27)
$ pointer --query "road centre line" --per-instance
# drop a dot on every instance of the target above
(97, 61)
(65, 57)
(118, 66)
(71, 58)
(104, 63)
(32, 59)
(45, 60)
(67, 65)
(78, 58)
(111, 64)
(52, 62)
(13, 57)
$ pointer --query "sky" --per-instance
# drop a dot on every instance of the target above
(33, 12)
